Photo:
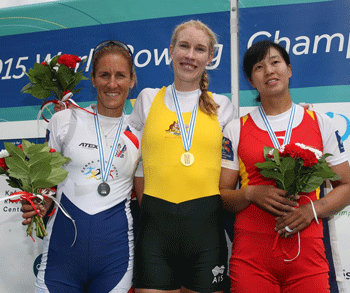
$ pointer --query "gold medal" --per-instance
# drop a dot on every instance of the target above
(187, 159)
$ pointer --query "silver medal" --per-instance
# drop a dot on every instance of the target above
(103, 189)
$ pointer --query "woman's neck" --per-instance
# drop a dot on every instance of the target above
(184, 86)
(276, 106)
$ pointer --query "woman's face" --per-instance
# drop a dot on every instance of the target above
(271, 75)
(113, 80)
(190, 54)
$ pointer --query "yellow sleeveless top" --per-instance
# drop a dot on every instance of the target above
(165, 176)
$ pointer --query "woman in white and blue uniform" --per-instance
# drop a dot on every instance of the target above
(95, 194)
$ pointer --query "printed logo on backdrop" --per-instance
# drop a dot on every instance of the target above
(343, 213)
(10, 207)
(343, 120)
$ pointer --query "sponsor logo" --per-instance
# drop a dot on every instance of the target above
(227, 152)
(174, 128)
(86, 145)
(218, 273)
(92, 171)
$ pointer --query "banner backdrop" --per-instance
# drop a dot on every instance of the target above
(30, 34)
(315, 32)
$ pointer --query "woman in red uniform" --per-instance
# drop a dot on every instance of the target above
(258, 263)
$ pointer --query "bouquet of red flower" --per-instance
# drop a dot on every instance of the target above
(34, 169)
(296, 168)
(58, 77)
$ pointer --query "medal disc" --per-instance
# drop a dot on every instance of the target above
(187, 159)
(103, 189)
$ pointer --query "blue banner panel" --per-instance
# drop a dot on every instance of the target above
(149, 40)
(315, 34)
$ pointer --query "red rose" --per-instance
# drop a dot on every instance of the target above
(20, 147)
(68, 60)
(309, 158)
(3, 164)
(52, 150)
(43, 63)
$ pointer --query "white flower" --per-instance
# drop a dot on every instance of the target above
(4, 154)
(317, 153)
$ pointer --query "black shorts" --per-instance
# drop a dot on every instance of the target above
(181, 245)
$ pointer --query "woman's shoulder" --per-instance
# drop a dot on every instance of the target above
(148, 94)
(226, 110)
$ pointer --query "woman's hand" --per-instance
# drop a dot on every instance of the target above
(61, 106)
(295, 220)
(270, 199)
(29, 212)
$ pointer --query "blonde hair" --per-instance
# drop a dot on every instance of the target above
(206, 103)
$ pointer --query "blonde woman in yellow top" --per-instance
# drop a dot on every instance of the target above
(181, 241)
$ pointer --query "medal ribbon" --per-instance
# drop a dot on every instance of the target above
(106, 168)
(186, 137)
(272, 134)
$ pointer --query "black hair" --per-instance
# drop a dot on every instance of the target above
(257, 52)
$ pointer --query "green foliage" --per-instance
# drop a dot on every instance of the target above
(35, 167)
(53, 79)
(291, 175)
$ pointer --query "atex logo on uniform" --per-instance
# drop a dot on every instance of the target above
(87, 145)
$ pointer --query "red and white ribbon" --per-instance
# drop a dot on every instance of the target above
(46, 193)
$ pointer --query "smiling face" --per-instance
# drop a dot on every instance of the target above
(190, 54)
(113, 79)
(270, 76)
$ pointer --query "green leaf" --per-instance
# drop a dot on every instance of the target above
(15, 183)
(287, 163)
(13, 150)
(56, 176)
(17, 167)
(39, 92)
(39, 172)
(34, 149)
(27, 88)
(58, 160)
(313, 183)
(267, 165)
(39, 159)
(40, 71)
(272, 174)
(54, 61)
(65, 76)
(276, 156)
(289, 181)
